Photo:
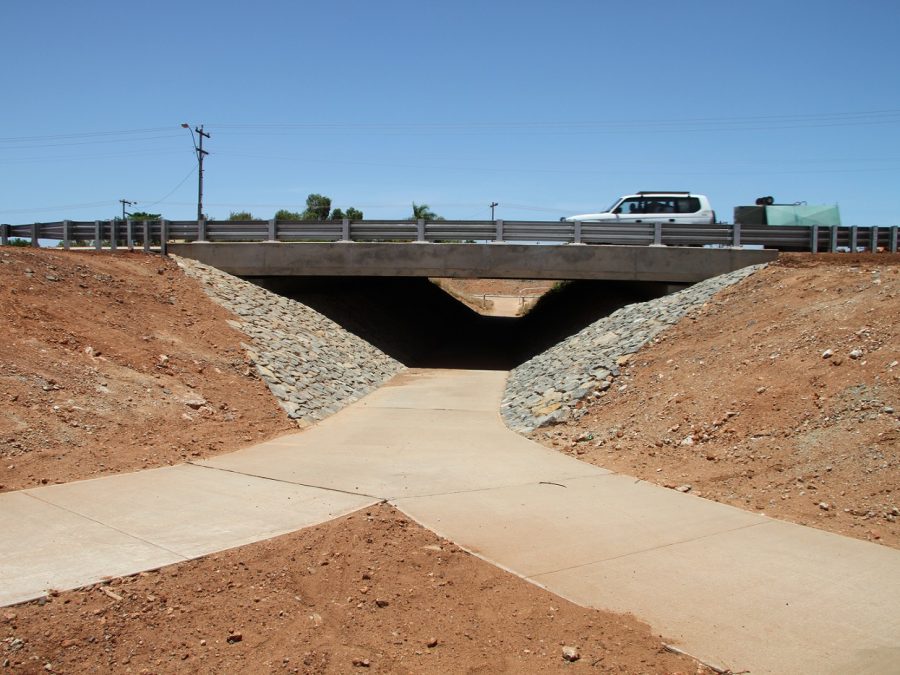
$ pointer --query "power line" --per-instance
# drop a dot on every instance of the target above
(88, 134)
(172, 191)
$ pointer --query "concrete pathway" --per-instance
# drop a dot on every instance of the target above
(733, 588)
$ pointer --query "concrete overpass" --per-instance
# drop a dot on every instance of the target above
(668, 264)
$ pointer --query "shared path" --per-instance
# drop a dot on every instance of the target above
(735, 589)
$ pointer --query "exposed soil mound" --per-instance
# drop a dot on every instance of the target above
(117, 362)
(370, 592)
(781, 396)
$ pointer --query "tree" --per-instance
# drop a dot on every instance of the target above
(284, 214)
(143, 215)
(240, 215)
(423, 212)
(317, 207)
(351, 214)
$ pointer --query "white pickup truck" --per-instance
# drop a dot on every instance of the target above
(654, 207)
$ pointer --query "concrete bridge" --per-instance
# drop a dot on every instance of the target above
(495, 261)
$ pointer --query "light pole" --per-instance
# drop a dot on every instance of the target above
(201, 153)
(493, 204)
(124, 202)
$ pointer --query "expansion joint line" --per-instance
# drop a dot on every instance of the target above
(132, 535)
(289, 482)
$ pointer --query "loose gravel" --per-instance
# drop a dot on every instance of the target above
(550, 387)
(313, 366)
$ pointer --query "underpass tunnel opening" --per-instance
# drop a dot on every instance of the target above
(417, 322)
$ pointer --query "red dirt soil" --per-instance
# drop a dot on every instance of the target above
(370, 592)
(781, 396)
(117, 362)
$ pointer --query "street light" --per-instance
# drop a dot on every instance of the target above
(201, 153)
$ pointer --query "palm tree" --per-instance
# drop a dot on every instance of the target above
(422, 212)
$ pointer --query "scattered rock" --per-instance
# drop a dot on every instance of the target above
(234, 637)
(570, 654)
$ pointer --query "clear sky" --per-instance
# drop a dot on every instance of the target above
(549, 108)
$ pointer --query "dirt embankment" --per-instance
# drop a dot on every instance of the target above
(370, 592)
(781, 396)
(114, 363)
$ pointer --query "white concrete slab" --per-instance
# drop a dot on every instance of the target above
(442, 390)
(395, 452)
(728, 586)
(192, 510)
(46, 547)
(540, 528)
(778, 598)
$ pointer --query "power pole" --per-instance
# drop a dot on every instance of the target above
(493, 204)
(201, 153)
(124, 202)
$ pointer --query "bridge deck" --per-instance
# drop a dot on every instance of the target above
(496, 261)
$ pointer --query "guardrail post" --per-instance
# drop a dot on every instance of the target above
(98, 236)
(35, 230)
(129, 234)
(273, 230)
(499, 235)
(577, 234)
(67, 231)
(345, 229)
(832, 239)
(4, 234)
(814, 239)
(873, 243)
(420, 230)
(113, 234)
(146, 234)
(854, 232)
(163, 237)
(657, 234)
(201, 231)
(894, 239)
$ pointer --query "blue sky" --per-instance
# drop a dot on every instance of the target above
(549, 108)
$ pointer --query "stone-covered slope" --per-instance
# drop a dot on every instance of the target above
(313, 366)
(547, 388)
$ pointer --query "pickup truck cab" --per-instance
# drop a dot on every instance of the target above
(654, 207)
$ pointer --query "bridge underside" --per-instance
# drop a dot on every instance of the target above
(668, 264)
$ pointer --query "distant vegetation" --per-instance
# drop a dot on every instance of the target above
(318, 207)
(423, 212)
(143, 215)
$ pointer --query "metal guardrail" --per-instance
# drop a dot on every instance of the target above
(157, 233)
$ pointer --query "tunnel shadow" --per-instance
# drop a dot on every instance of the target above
(416, 322)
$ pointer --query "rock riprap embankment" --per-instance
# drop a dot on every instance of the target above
(547, 388)
(312, 365)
